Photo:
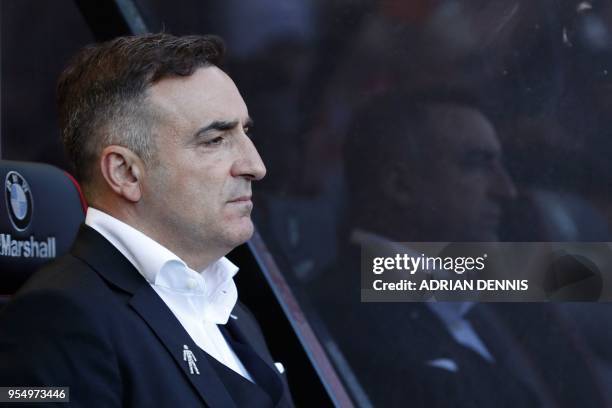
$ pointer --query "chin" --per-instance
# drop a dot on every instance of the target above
(241, 233)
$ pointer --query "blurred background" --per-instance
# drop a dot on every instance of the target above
(385, 121)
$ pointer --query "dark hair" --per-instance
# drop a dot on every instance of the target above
(392, 127)
(101, 93)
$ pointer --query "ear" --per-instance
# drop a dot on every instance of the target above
(397, 184)
(123, 172)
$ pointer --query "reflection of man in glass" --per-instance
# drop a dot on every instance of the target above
(435, 175)
(419, 168)
(428, 168)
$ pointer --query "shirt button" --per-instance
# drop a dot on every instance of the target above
(192, 283)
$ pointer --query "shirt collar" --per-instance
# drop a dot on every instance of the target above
(164, 269)
(446, 311)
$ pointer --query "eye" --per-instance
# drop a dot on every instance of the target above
(247, 128)
(214, 142)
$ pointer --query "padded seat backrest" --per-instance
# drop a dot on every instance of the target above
(41, 209)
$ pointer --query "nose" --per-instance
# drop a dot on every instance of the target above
(502, 185)
(249, 164)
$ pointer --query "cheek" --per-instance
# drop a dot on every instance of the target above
(202, 184)
(467, 186)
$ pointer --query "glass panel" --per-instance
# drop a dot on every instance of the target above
(433, 121)
(424, 120)
(37, 40)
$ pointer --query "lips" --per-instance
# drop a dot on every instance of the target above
(240, 199)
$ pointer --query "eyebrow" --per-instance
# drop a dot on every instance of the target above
(222, 125)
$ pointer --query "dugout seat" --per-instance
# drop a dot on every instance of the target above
(41, 209)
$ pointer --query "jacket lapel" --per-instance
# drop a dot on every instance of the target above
(113, 267)
(244, 329)
(241, 338)
(174, 337)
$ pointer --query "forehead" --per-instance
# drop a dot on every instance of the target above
(460, 129)
(207, 95)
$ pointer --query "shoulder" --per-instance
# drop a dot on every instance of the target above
(64, 304)
(67, 274)
(66, 288)
(57, 330)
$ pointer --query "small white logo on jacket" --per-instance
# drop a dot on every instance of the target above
(190, 358)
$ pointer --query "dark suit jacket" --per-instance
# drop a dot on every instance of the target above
(90, 321)
(391, 347)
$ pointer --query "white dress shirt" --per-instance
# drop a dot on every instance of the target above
(199, 300)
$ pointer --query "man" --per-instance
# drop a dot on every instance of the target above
(143, 311)
(423, 168)
(412, 180)
(435, 166)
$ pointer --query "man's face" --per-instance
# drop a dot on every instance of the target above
(197, 191)
(463, 188)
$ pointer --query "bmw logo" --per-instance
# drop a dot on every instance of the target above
(18, 200)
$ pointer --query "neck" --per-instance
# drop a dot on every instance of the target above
(196, 257)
